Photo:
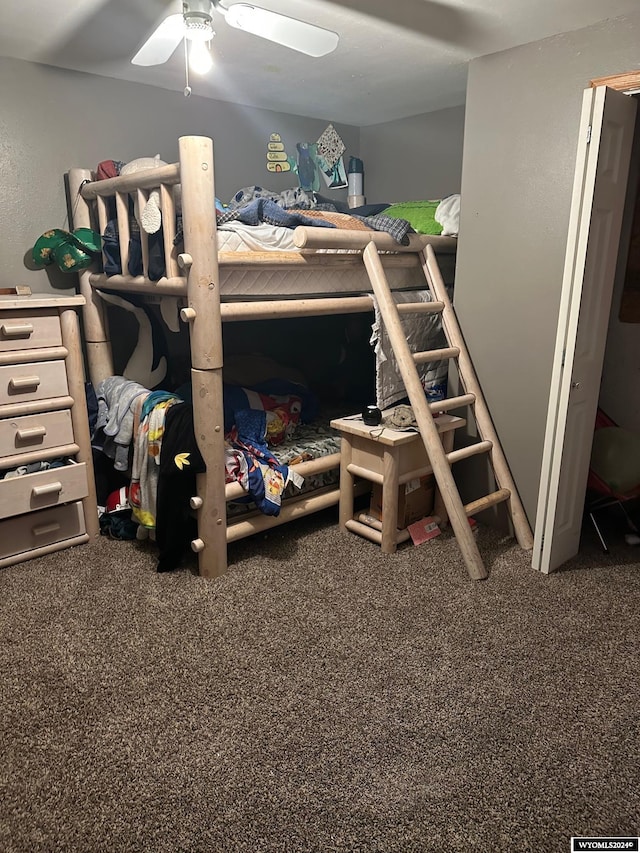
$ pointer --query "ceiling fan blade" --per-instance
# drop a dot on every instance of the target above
(161, 43)
(298, 35)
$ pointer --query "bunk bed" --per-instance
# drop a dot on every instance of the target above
(212, 283)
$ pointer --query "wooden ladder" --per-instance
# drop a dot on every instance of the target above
(458, 513)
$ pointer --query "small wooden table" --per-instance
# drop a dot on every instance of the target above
(391, 458)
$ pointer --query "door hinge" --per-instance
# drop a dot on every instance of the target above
(563, 355)
(589, 134)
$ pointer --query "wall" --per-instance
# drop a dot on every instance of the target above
(521, 121)
(413, 158)
(52, 120)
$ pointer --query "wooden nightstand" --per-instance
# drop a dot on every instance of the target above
(43, 419)
(390, 458)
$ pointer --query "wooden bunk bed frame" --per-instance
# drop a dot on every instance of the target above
(197, 275)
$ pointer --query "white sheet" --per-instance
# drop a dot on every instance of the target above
(236, 236)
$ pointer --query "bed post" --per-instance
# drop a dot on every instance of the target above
(96, 330)
(200, 261)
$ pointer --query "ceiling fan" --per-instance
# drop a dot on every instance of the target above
(195, 25)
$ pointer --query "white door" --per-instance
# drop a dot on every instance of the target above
(604, 150)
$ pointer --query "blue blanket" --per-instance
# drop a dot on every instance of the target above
(265, 210)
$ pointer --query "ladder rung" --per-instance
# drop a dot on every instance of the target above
(359, 471)
(487, 501)
(370, 521)
(452, 403)
(420, 307)
(436, 354)
(364, 530)
(470, 450)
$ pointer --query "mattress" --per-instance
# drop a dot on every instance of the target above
(341, 276)
(261, 262)
(247, 283)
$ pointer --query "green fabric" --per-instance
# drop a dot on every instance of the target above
(71, 251)
(615, 458)
(419, 214)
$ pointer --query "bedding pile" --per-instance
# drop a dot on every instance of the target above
(253, 205)
(149, 436)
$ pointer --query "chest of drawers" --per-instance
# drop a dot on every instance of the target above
(47, 488)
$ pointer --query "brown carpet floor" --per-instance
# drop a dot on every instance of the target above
(319, 697)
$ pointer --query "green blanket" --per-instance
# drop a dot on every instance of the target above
(420, 214)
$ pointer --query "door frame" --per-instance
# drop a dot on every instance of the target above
(629, 82)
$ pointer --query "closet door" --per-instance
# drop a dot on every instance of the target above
(604, 149)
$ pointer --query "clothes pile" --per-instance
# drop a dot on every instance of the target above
(149, 436)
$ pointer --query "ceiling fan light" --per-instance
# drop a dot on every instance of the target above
(197, 28)
(200, 59)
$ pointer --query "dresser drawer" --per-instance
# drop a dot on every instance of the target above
(20, 330)
(36, 381)
(52, 487)
(34, 432)
(38, 529)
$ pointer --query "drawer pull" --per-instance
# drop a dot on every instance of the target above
(46, 529)
(48, 489)
(17, 330)
(24, 383)
(30, 433)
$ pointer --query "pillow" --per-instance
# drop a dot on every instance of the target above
(419, 214)
(281, 413)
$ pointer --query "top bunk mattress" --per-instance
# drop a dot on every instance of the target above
(258, 262)
(265, 272)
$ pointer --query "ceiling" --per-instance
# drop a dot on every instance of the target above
(396, 58)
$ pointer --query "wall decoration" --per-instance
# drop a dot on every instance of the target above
(330, 149)
(307, 166)
(330, 145)
(335, 176)
(277, 159)
(323, 157)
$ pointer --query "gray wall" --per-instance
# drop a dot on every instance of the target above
(52, 120)
(413, 158)
(521, 122)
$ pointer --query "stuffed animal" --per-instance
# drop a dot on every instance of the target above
(150, 218)
(70, 250)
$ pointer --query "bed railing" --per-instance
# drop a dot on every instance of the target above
(138, 186)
